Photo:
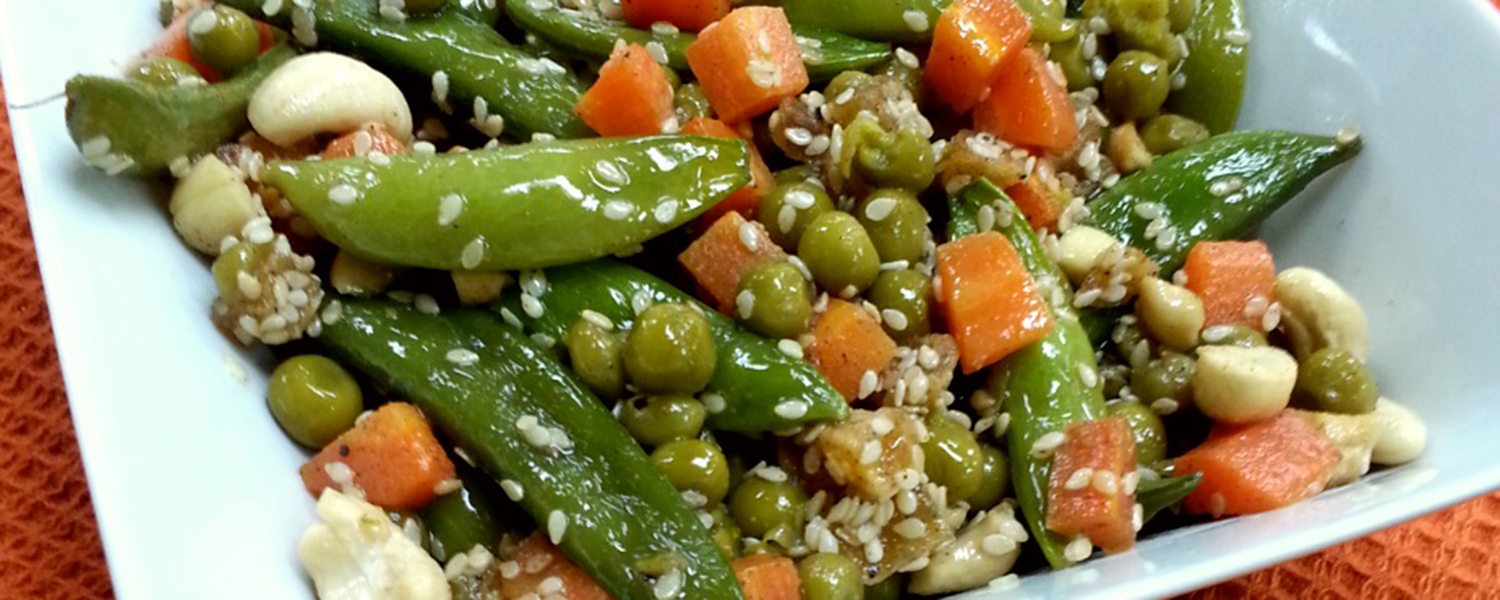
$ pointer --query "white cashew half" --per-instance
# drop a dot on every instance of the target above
(1316, 313)
(982, 551)
(1171, 313)
(1400, 435)
(1232, 384)
(325, 92)
(1353, 436)
(211, 203)
(1079, 248)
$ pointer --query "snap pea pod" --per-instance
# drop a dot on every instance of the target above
(474, 515)
(1158, 494)
(515, 207)
(149, 126)
(1216, 189)
(1214, 70)
(480, 382)
(883, 20)
(1040, 385)
(752, 376)
(825, 52)
(531, 94)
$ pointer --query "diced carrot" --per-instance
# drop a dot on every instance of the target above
(719, 257)
(1040, 196)
(848, 342)
(631, 96)
(768, 577)
(971, 43)
(539, 561)
(1235, 280)
(989, 300)
(393, 456)
(381, 141)
(1029, 106)
(748, 62)
(1258, 467)
(689, 15)
(173, 43)
(1101, 509)
(746, 198)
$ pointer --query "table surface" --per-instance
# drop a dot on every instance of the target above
(49, 542)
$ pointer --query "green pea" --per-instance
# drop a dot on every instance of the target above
(1168, 133)
(994, 481)
(725, 532)
(694, 465)
(1068, 54)
(890, 589)
(953, 459)
(894, 160)
(165, 71)
(670, 350)
(760, 506)
(1142, 25)
(1047, 20)
(594, 353)
(1136, 84)
(1170, 376)
(223, 38)
(830, 576)
(908, 292)
(244, 257)
(1113, 378)
(1233, 335)
(896, 223)
(797, 174)
(657, 420)
(1150, 434)
(1333, 380)
(313, 399)
(1180, 14)
(783, 302)
(1126, 337)
(843, 82)
(789, 207)
(424, 6)
(838, 252)
(690, 102)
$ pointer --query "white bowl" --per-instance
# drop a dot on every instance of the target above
(196, 490)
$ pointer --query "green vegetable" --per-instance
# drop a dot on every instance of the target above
(911, 77)
(1156, 494)
(761, 507)
(313, 399)
(657, 420)
(594, 354)
(1136, 84)
(882, 159)
(1164, 134)
(1253, 173)
(908, 292)
(223, 38)
(896, 223)
(885, 20)
(165, 71)
(147, 126)
(953, 458)
(1233, 335)
(1170, 376)
(691, 103)
(1076, 69)
(994, 478)
(830, 576)
(1333, 380)
(694, 465)
(618, 511)
(1127, 336)
(532, 95)
(725, 532)
(1214, 70)
(783, 301)
(1047, 20)
(787, 209)
(670, 350)
(471, 516)
(1150, 434)
(1040, 385)
(424, 6)
(1137, 25)
(839, 254)
(752, 376)
(1180, 14)
(890, 589)
(515, 207)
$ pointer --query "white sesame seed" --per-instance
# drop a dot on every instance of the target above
(510, 569)
(1272, 317)
(473, 253)
(997, 544)
(462, 357)
(1347, 136)
(1167, 238)
(657, 51)
(449, 208)
(1180, 278)
(1217, 333)
(867, 383)
(694, 498)
(1079, 549)
(1256, 306)
(664, 28)
(532, 306)
(1137, 517)
(911, 528)
(1226, 186)
(1047, 444)
(895, 318)
(819, 144)
(870, 453)
(550, 585)
(423, 147)
(1098, 25)
(1164, 406)
(880, 208)
(916, 20)
(425, 304)
(798, 136)
(534, 282)
(769, 473)
(557, 525)
(1148, 210)
(1079, 479)
(790, 348)
(1216, 505)
(618, 210)
(668, 585)
(844, 97)
(640, 301)
(744, 304)
(1106, 482)
(665, 212)
(907, 59)
(786, 218)
(763, 73)
(597, 319)
(1087, 297)
(1238, 37)
(713, 402)
(343, 193)
(1128, 482)
(791, 409)
(513, 489)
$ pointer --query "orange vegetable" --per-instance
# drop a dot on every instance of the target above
(1106, 517)
(394, 457)
(1028, 105)
(1040, 196)
(689, 15)
(989, 300)
(847, 342)
(1228, 276)
(631, 96)
(540, 560)
(746, 198)
(719, 257)
(748, 62)
(173, 43)
(380, 141)
(768, 577)
(971, 43)
(1258, 467)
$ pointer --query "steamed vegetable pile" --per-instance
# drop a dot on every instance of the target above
(822, 299)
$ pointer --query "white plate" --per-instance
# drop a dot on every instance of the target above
(196, 491)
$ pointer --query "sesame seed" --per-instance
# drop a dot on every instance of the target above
(867, 383)
(1005, 583)
(1079, 549)
(848, 292)
(1217, 333)
(510, 569)
(895, 318)
(665, 212)
(668, 585)
(1256, 306)
(449, 207)
(618, 210)
(513, 489)
(1149, 210)
(534, 282)
(997, 544)
(550, 585)
(1079, 479)
(1164, 406)
(557, 525)
(798, 136)
(1238, 37)
(916, 20)
(790, 348)
(911, 528)
(510, 317)
(870, 453)
(1088, 375)
(713, 402)
(1137, 517)
(425, 304)
(472, 254)
(800, 199)
(1047, 444)
(907, 59)
(1180, 278)
(769, 473)
(763, 73)
(1098, 25)
(462, 357)
(640, 301)
(1106, 482)
(791, 409)
(657, 51)
(597, 318)
(844, 97)
(1347, 136)
(818, 145)
(343, 193)
(986, 218)
(1272, 317)
(532, 306)
(744, 304)
(1179, 80)
(1087, 297)
(749, 237)
(1129, 481)
(1226, 186)
(786, 218)
(880, 208)
(664, 28)
(424, 147)
(1216, 505)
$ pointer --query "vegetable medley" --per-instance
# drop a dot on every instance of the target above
(822, 299)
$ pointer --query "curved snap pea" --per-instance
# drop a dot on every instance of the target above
(825, 52)
(752, 376)
(619, 511)
(534, 96)
(884, 20)
(1214, 69)
(473, 515)
(1157, 494)
(515, 207)
(148, 126)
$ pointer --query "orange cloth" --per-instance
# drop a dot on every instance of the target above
(49, 544)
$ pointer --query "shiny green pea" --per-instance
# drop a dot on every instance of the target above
(1068, 54)
(830, 576)
(670, 350)
(313, 399)
(797, 174)
(953, 458)
(424, 6)
(890, 589)
(896, 223)
(1170, 376)
(1333, 380)
(1136, 84)
(244, 257)
(908, 292)
(1126, 337)
(843, 82)
(788, 208)
(783, 300)
(1233, 335)
(838, 252)
(760, 506)
(690, 102)
(891, 160)
(165, 71)
(1180, 14)
(994, 478)
(657, 420)
(223, 38)
(1169, 133)
(1150, 434)
(1048, 22)
(594, 353)
(694, 465)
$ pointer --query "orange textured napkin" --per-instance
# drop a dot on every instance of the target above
(49, 543)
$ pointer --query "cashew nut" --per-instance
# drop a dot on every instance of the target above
(1353, 436)
(1400, 435)
(1079, 249)
(1240, 385)
(982, 551)
(478, 287)
(324, 92)
(1171, 313)
(1316, 313)
(1127, 150)
(351, 274)
(211, 203)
